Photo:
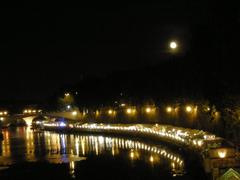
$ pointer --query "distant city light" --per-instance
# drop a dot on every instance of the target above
(1, 118)
(67, 94)
(68, 106)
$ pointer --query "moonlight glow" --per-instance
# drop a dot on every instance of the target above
(173, 45)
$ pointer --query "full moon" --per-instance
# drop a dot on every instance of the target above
(173, 45)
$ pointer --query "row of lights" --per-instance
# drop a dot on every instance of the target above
(178, 135)
(188, 109)
(31, 111)
(186, 137)
(3, 113)
(149, 110)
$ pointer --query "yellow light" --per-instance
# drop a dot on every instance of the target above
(29, 111)
(97, 112)
(5, 113)
(200, 143)
(1, 118)
(34, 111)
(148, 110)
(151, 159)
(222, 153)
(74, 113)
(123, 104)
(67, 94)
(132, 154)
(1, 113)
(188, 108)
(169, 109)
(173, 45)
(110, 111)
(129, 111)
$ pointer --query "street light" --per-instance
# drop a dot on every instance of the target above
(188, 109)
(169, 109)
(148, 110)
(110, 111)
(130, 111)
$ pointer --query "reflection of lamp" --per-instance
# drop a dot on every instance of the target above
(151, 159)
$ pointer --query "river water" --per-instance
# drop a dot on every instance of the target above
(25, 154)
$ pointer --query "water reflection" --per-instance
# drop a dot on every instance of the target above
(22, 145)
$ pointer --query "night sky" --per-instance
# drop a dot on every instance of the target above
(42, 49)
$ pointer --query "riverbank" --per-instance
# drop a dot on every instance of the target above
(214, 152)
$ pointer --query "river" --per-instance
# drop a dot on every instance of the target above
(25, 154)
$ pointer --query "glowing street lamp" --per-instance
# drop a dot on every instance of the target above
(110, 111)
(188, 109)
(148, 110)
(169, 109)
(67, 94)
(130, 111)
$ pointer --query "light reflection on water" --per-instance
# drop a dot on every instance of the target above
(23, 144)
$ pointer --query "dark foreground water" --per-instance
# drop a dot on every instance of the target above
(25, 154)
